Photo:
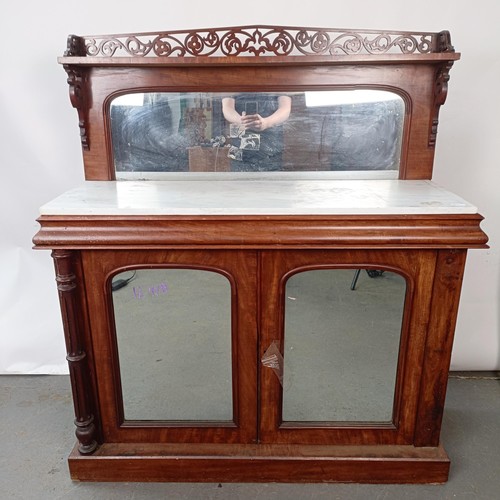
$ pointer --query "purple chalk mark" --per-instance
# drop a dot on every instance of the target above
(158, 290)
(154, 291)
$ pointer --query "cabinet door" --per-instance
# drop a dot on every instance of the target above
(174, 337)
(351, 358)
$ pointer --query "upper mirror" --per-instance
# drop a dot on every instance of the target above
(354, 131)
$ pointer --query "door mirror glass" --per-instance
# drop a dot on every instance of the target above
(173, 333)
(342, 345)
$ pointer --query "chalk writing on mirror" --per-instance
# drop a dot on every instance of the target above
(152, 291)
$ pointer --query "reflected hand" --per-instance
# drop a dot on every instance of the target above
(254, 122)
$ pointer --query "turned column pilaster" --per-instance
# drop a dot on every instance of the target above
(77, 359)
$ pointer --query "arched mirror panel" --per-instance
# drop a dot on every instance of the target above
(173, 335)
(337, 130)
(342, 337)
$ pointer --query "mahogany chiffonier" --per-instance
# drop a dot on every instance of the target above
(259, 280)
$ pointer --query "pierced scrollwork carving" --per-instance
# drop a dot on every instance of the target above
(354, 43)
(440, 94)
(78, 96)
(264, 40)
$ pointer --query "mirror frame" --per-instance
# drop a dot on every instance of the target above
(259, 59)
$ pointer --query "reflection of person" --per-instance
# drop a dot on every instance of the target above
(258, 117)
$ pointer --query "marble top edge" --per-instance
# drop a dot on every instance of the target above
(258, 197)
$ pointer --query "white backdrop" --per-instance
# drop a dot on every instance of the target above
(40, 150)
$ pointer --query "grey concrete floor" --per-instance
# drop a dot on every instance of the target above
(36, 435)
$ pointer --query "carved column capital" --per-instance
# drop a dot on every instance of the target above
(444, 42)
(75, 46)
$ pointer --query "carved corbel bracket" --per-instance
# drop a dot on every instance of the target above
(81, 386)
(78, 94)
(78, 89)
(440, 93)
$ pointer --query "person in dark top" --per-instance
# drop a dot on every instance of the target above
(257, 135)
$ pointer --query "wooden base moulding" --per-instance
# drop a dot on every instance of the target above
(261, 463)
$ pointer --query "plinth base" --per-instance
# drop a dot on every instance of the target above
(260, 463)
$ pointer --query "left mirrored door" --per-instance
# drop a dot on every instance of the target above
(175, 343)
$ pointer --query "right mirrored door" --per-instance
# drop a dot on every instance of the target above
(341, 345)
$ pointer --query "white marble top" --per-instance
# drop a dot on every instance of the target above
(257, 197)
